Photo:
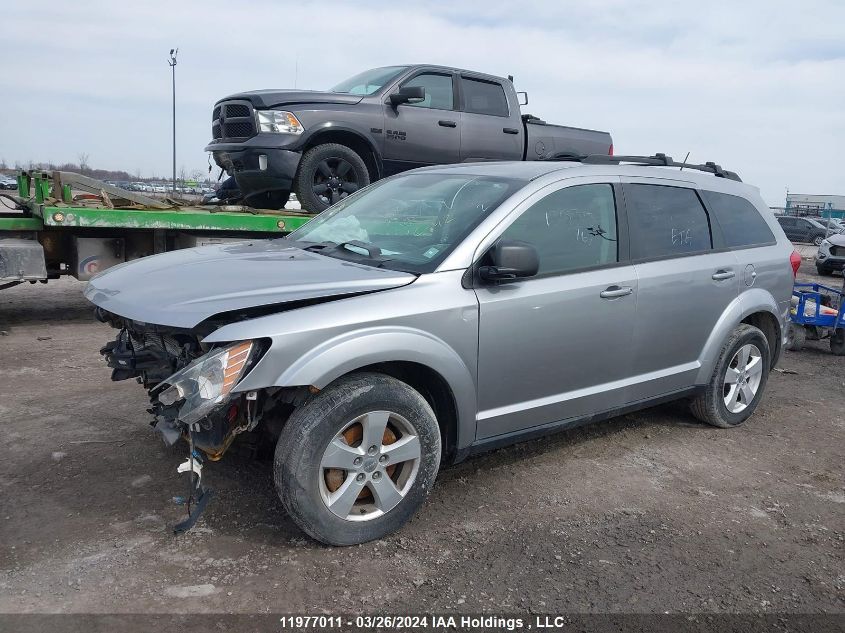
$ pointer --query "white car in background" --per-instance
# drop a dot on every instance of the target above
(831, 254)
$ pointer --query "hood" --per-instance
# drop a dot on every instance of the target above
(262, 99)
(185, 287)
(837, 239)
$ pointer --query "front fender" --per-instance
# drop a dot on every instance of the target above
(352, 350)
(749, 302)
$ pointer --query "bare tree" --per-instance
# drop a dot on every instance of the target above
(82, 158)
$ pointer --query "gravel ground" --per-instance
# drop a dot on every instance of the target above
(650, 512)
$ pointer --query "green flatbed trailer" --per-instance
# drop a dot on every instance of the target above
(55, 233)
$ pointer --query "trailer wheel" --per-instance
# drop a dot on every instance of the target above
(327, 174)
(837, 342)
(796, 335)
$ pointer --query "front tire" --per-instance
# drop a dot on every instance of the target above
(356, 461)
(327, 174)
(738, 380)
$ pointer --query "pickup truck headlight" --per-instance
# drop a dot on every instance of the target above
(280, 121)
(202, 386)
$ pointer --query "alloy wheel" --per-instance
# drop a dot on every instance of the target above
(742, 378)
(369, 466)
(335, 179)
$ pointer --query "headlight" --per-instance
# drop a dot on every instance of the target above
(206, 383)
(825, 244)
(278, 121)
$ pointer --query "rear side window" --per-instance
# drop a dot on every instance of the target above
(484, 97)
(665, 221)
(739, 220)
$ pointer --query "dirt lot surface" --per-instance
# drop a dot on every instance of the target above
(651, 512)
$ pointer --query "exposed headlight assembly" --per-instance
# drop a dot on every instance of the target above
(280, 121)
(205, 384)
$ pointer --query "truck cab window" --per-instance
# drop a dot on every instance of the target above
(484, 97)
(438, 91)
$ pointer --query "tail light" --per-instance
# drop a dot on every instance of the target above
(795, 262)
(610, 151)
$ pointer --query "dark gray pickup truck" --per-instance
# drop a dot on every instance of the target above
(325, 145)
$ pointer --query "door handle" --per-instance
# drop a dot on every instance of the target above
(616, 291)
(723, 274)
(447, 124)
(510, 130)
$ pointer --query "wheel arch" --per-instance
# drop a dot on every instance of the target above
(363, 146)
(756, 307)
(418, 358)
(436, 391)
(767, 323)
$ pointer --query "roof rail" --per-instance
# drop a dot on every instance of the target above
(658, 160)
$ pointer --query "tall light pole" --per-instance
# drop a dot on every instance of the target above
(172, 63)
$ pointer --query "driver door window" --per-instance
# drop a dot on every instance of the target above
(438, 91)
(422, 133)
(572, 229)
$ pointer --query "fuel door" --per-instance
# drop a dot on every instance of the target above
(750, 275)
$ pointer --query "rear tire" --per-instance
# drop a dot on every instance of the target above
(711, 406)
(327, 174)
(311, 471)
(818, 239)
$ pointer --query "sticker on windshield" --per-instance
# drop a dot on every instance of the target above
(431, 252)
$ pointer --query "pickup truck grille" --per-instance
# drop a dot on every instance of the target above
(837, 251)
(232, 121)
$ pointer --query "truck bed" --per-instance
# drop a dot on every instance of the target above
(545, 140)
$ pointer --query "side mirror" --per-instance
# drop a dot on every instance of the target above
(512, 259)
(407, 94)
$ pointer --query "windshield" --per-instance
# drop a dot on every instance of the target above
(370, 81)
(409, 222)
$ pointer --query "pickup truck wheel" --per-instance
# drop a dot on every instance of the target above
(327, 174)
(738, 381)
(356, 461)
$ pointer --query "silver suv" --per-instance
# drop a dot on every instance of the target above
(450, 310)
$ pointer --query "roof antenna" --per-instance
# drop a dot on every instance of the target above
(685, 162)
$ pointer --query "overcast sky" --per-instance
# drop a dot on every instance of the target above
(757, 86)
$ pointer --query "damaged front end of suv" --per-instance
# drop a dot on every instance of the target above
(166, 308)
(190, 386)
